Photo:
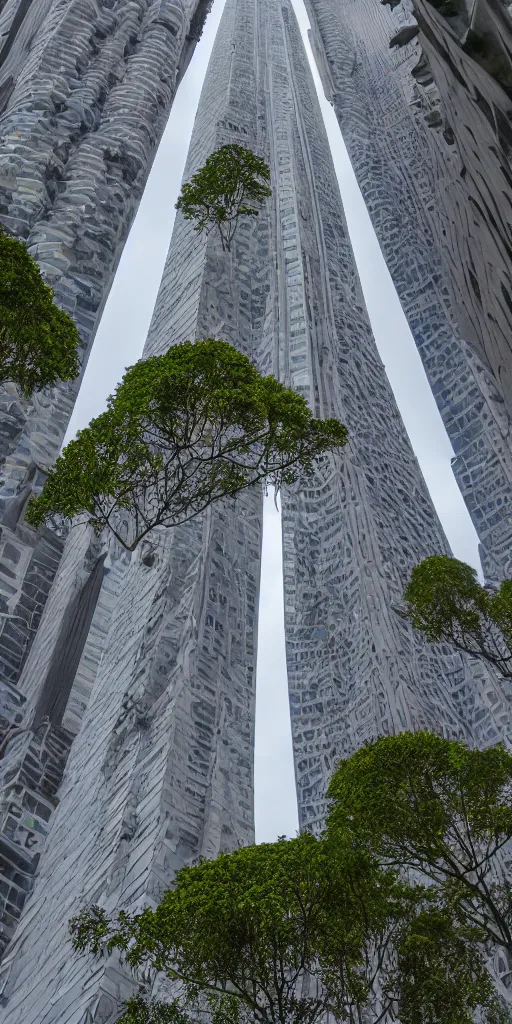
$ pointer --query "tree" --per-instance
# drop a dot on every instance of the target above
(426, 804)
(285, 933)
(232, 184)
(441, 974)
(38, 341)
(446, 602)
(183, 430)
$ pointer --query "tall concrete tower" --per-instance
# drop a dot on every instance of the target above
(86, 87)
(441, 208)
(158, 661)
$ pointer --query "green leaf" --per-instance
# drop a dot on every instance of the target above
(445, 601)
(441, 972)
(423, 803)
(38, 341)
(293, 931)
(232, 184)
(183, 430)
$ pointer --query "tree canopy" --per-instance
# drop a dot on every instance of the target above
(38, 341)
(441, 972)
(182, 431)
(232, 184)
(421, 802)
(446, 602)
(284, 933)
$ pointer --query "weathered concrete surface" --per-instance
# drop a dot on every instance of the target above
(161, 770)
(28, 563)
(86, 87)
(411, 177)
(31, 771)
(85, 90)
(475, 215)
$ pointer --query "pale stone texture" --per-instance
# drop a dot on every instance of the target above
(475, 115)
(31, 774)
(161, 769)
(85, 91)
(411, 173)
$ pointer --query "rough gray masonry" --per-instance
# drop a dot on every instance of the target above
(160, 771)
(410, 169)
(475, 118)
(31, 773)
(85, 91)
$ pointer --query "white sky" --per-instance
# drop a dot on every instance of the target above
(119, 343)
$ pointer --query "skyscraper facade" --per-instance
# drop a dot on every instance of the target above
(162, 697)
(412, 176)
(85, 91)
(465, 55)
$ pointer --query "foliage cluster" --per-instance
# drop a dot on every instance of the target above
(446, 602)
(38, 341)
(181, 431)
(389, 916)
(434, 806)
(279, 933)
(232, 184)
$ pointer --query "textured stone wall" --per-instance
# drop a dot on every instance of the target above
(352, 534)
(85, 91)
(31, 771)
(161, 769)
(28, 563)
(475, 225)
(407, 171)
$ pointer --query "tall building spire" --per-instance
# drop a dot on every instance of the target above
(86, 87)
(409, 152)
(161, 769)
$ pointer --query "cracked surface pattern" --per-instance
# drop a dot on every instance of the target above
(410, 176)
(161, 768)
(86, 87)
